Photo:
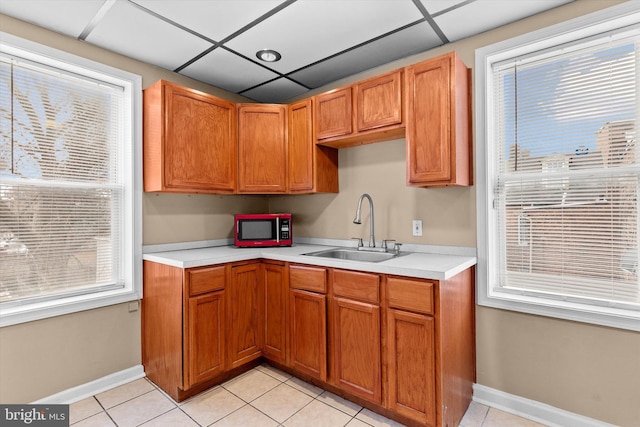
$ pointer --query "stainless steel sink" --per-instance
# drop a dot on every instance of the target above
(354, 255)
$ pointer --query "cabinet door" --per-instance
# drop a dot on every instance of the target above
(189, 141)
(308, 331)
(379, 102)
(275, 311)
(262, 148)
(438, 122)
(301, 147)
(333, 114)
(204, 357)
(245, 331)
(411, 365)
(356, 348)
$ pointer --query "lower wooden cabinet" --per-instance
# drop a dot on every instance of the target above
(205, 342)
(356, 334)
(183, 326)
(245, 302)
(411, 365)
(276, 298)
(308, 320)
(401, 346)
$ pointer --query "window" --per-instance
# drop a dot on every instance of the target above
(559, 170)
(70, 218)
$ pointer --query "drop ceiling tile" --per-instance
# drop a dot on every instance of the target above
(480, 16)
(63, 16)
(310, 30)
(275, 92)
(409, 41)
(228, 71)
(214, 19)
(128, 30)
(437, 6)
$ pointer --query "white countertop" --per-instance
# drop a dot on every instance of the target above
(434, 264)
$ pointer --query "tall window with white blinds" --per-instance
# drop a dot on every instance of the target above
(65, 184)
(567, 181)
(563, 174)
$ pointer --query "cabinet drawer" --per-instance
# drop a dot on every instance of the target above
(408, 294)
(202, 280)
(360, 286)
(312, 279)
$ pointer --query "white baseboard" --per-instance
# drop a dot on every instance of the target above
(91, 388)
(532, 409)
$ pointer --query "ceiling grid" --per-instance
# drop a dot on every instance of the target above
(321, 41)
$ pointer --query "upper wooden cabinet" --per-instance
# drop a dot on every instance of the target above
(189, 141)
(262, 148)
(438, 122)
(379, 102)
(312, 168)
(333, 114)
(368, 111)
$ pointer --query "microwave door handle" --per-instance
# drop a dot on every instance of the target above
(277, 229)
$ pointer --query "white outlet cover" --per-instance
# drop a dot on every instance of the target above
(417, 227)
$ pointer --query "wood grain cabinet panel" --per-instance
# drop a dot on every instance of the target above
(205, 345)
(245, 321)
(189, 141)
(333, 114)
(411, 366)
(276, 288)
(262, 148)
(308, 278)
(356, 348)
(438, 122)
(312, 168)
(308, 331)
(356, 333)
(379, 101)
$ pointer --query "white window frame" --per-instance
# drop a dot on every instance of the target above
(490, 295)
(132, 210)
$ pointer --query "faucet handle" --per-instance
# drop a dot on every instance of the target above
(385, 243)
(359, 239)
(396, 248)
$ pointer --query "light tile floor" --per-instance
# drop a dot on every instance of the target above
(261, 397)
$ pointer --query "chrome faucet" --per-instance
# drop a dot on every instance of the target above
(358, 220)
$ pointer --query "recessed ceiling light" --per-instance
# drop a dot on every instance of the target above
(268, 55)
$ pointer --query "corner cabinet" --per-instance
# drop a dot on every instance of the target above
(189, 141)
(438, 122)
(312, 168)
(262, 149)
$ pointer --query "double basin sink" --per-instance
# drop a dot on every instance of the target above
(355, 255)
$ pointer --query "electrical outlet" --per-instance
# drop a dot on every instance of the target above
(417, 227)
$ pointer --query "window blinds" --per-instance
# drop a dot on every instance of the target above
(566, 190)
(61, 183)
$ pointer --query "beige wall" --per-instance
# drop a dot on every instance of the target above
(589, 370)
